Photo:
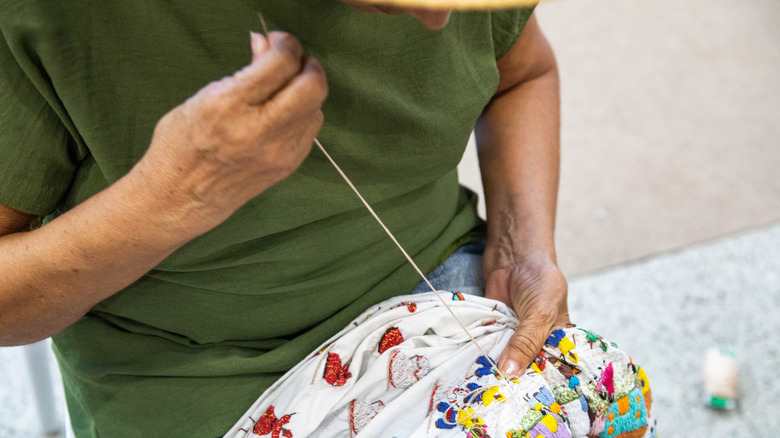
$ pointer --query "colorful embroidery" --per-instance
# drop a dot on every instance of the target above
(360, 413)
(597, 426)
(570, 372)
(644, 383)
(457, 296)
(529, 420)
(576, 388)
(485, 368)
(550, 426)
(539, 363)
(450, 416)
(626, 415)
(404, 371)
(544, 399)
(478, 431)
(606, 383)
(491, 394)
(559, 340)
(335, 374)
(576, 413)
(390, 339)
(433, 397)
(269, 424)
(410, 306)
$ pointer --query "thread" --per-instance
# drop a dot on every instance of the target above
(390, 234)
(408, 257)
(721, 378)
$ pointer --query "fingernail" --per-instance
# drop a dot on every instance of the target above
(257, 41)
(511, 368)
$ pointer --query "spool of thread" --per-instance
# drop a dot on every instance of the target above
(721, 378)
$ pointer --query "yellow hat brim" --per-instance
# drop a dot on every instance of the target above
(455, 4)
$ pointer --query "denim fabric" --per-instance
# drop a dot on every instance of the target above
(461, 272)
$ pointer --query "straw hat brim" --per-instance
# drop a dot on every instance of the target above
(455, 4)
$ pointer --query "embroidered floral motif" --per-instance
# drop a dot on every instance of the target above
(569, 372)
(468, 420)
(539, 363)
(335, 374)
(576, 389)
(628, 414)
(404, 371)
(644, 383)
(410, 306)
(544, 400)
(559, 340)
(478, 431)
(450, 416)
(269, 424)
(550, 426)
(593, 338)
(486, 367)
(605, 385)
(390, 339)
(360, 413)
(492, 394)
(563, 408)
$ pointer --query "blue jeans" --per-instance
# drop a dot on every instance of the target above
(461, 272)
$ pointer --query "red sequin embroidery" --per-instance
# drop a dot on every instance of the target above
(335, 374)
(268, 423)
(390, 339)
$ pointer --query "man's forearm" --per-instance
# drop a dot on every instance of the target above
(53, 275)
(518, 143)
(225, 145)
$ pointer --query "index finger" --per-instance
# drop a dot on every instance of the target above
(271, 69)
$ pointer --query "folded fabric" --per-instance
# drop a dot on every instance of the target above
(405, 368)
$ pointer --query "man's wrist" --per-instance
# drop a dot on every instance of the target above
(521, 237)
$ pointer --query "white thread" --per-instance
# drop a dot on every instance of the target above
(409, 258)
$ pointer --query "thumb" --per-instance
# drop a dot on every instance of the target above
(259, 44)
(523, 347)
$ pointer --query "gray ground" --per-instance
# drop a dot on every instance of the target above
(669, 213)
(669, 310)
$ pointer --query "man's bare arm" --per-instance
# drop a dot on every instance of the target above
(232, 140)
(518, 144)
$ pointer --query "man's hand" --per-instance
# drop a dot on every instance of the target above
(537, 291)
(240, 135)
(518, 143)
(229, 142)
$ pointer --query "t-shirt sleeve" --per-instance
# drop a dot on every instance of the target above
(38, 157)
(507, 25)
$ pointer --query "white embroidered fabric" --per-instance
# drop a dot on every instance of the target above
(404, 368)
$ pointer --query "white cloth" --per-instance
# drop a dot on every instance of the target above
(405, 368)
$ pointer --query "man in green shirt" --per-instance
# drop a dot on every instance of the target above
(193, 252)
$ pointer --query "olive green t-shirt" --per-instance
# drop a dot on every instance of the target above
(186, 349)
